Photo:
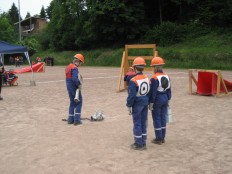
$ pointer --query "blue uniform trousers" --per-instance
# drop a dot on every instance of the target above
(75, 116)
(74, 108)
(140, 123)
(159, 120)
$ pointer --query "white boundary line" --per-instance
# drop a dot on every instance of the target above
(84, 79)
(92, 78)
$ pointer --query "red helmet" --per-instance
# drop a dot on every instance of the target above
(139, 61)
(80, 57)
(157, 61)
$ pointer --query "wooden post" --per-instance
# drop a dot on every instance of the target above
(223, 83)
(218, 85)
(121, 71)
(190, 82)
(125, 64)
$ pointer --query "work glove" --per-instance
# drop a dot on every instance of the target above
(150, 106)
(129, 109)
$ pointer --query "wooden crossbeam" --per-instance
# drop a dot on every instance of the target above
(127, 60)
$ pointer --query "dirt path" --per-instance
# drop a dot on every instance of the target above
(33, 139)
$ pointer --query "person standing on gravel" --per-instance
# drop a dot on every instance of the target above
(160, 96)
(74, 82)
(1, 73)
(137, 103)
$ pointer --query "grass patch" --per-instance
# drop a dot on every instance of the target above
(212, 51)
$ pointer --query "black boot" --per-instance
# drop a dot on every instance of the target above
(136, 146)
(77, 123)
(157, 141)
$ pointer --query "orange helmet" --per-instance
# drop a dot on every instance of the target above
(157, 61)
(139, 61)
(80, 57)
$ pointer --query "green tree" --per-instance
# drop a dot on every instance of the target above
(49, 10)
(42, 13)
(215, 13)
(14, 14)
(62, 27)
(31, 43)
(115, 21)
(28, 15)
(7, 31)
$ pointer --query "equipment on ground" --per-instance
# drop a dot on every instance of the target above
(97, 116)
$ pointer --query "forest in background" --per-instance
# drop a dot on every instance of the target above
(186, 32)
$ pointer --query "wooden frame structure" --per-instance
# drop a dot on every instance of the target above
(126, 59)
(220, 81)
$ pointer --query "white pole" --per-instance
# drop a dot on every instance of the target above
(19, 22)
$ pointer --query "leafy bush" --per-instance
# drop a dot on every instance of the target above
(166, 34)
(169, 33)
(31, 43)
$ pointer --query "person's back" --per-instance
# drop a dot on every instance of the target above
(160, 95)
(1, 74)
(138, 89)
(129, 75)
(137, 103)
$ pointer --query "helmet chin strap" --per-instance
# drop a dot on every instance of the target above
(135, 70)
(77, 64)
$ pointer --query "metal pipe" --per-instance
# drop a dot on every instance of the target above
(19, 22)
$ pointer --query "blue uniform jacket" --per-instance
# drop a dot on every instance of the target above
(72, 80)
(138, 89)
(160, 93)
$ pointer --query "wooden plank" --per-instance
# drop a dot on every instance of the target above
(223, 83)
(126, 64)
(142, 46)
(156, 54)
(190, 82)
(204, 70)
(145, 57)
(147, 68)
(126, 60)
(194, 80)
(121, 71)
(218, 85)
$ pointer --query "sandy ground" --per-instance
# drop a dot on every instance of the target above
(34, 140)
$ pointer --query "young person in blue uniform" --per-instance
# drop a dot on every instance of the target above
(74, 82)
(160, 95)
(129, 75)
(1, 74)
(137, 103)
